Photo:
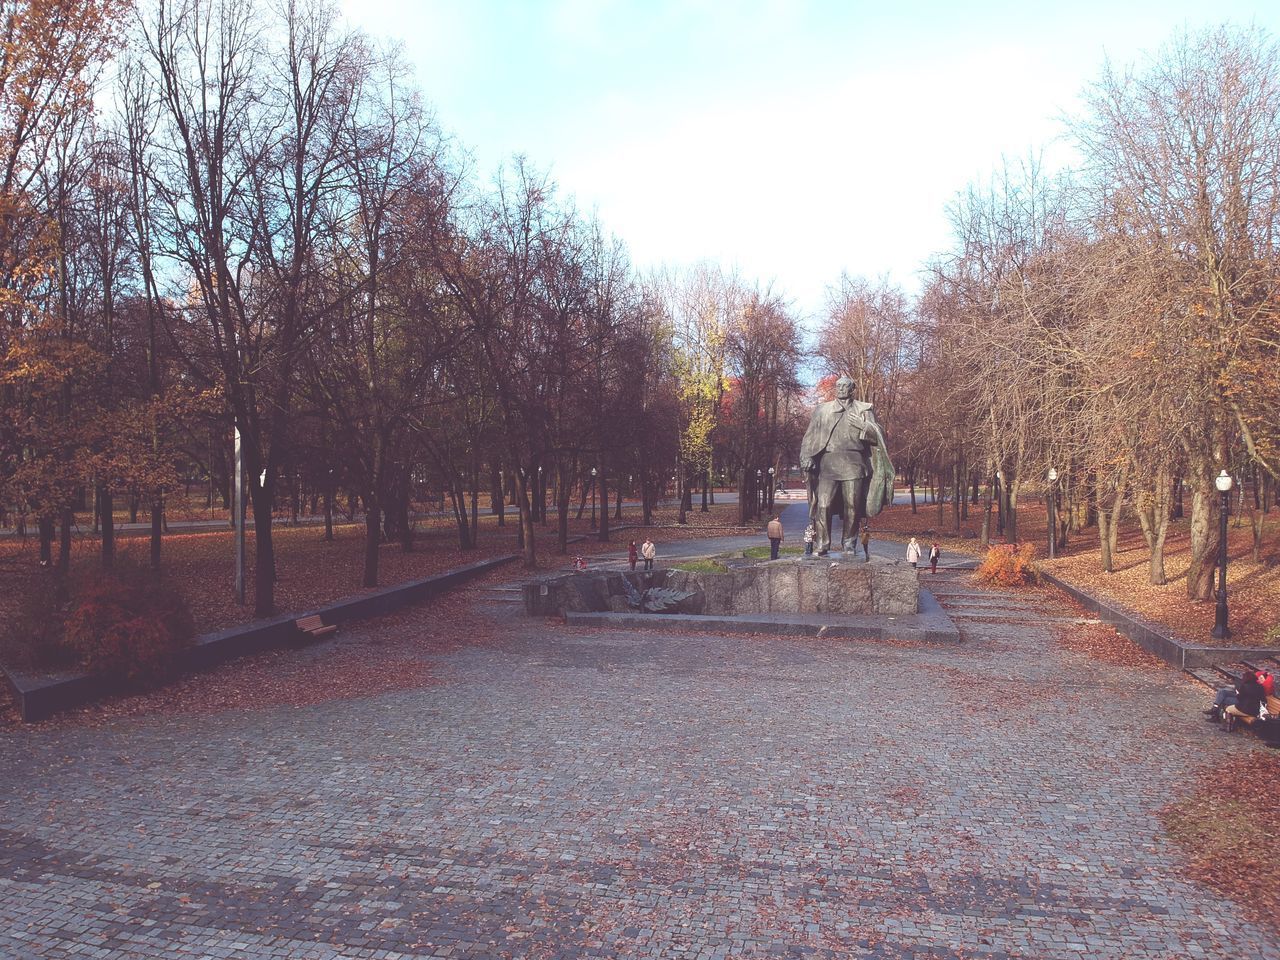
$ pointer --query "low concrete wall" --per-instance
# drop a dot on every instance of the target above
(790, 585)
(1185, 656)
(40, 696)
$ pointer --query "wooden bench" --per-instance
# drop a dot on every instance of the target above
(1273, 707)
(313, 627)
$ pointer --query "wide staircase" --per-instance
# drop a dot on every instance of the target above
(970, 603)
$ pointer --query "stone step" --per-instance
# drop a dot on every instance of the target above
(1020, 616)
(1207, 676)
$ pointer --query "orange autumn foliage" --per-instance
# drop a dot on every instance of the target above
(1009, 565)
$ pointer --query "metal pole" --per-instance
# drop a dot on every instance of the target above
(238, 517)
(1053, 521)
(1220, 629)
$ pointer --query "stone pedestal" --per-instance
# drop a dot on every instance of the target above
(837, 584)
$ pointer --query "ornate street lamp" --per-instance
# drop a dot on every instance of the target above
(1220, 629)
(771, 487)
(759, 492)
(593, 498)
(1053, 520)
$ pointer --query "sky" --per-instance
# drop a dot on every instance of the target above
(789, 141)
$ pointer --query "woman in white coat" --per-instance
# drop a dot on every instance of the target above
(913, 552)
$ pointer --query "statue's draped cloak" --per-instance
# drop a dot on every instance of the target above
(826, 417)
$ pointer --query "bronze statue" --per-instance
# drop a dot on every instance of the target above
(843, 454)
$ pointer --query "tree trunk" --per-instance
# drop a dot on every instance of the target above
(157, 530)
(646, 500)
(706, 485)
(562, 510)
(1153, 508)
(526, 520)
(984, 538)
(46, 528)
(67, 519)
(617, 501)
(475, 502)
(1011, 510)
(404, 519)
(372, 539)
(264, 556)
(604, 508)
(957, 493)
(1204, 531)
(106, 512)
(458, 503)
(328, 513)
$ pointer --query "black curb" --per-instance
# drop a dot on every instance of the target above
(1185, 656)
(41, 696)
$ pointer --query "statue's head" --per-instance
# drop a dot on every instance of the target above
(844, 388)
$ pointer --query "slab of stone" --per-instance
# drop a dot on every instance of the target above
(813, 581)
(849, 588)
(783, 585)
(895, 589)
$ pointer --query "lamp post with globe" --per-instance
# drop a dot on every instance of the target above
(1220, 629)
(593, 498)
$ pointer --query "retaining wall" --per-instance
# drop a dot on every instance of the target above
(40, 696)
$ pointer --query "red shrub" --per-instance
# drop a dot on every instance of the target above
(127, 625)
(1009, 565)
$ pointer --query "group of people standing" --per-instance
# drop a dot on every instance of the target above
(647, 551)
(914, 549)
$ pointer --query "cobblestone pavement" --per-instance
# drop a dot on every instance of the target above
(574, 793)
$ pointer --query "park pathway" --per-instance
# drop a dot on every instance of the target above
(569, 792)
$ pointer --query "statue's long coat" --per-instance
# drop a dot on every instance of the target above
(826, 417)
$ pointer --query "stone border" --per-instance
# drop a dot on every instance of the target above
(931, 625)
(1185, 656)
(40, 696)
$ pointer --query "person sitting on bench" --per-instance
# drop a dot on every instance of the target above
(1249, 697)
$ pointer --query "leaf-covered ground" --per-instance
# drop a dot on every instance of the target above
(1253, 586)
(1228, 823)
(312, 572)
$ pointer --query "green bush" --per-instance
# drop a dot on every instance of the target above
(126, 625)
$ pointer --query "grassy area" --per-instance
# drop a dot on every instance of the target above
(704, 565)
(762, 553)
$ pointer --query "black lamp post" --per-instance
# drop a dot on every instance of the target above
(1220, 629)
(1053, 520)
(593, 498)
(772, 472)
(759, 492)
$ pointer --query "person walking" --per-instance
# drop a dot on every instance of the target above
(935, 554)
(774, 530)
(648, 553)
(632, 555)
(808, 540)
(866, 543)
(913, 552)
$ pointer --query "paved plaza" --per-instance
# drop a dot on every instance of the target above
(574, 793)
